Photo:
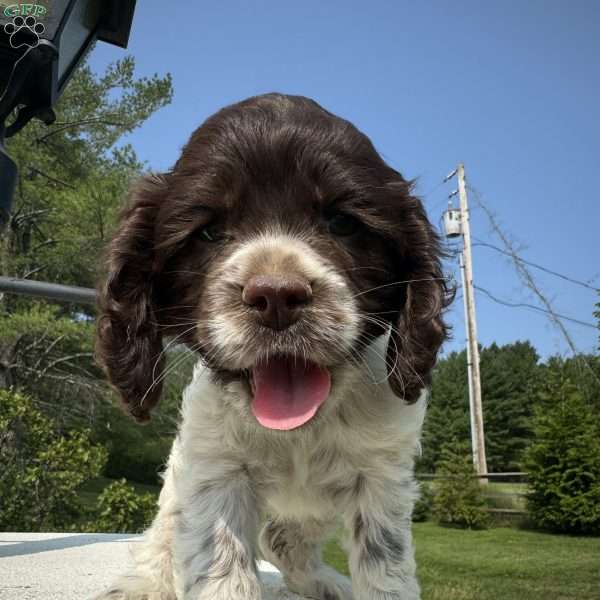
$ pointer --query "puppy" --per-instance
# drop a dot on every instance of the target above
(297, 264)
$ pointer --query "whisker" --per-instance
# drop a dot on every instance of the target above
(173, 341)
(393, 283)
(169, 370)
(184, 272)
(175, 307)
(363, 268)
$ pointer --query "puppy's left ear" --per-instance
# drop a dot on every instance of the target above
(128, 339)
(420, 330)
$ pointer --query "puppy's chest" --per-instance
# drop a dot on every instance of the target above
(305, 483)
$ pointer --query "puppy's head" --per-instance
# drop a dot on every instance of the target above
(278, 248)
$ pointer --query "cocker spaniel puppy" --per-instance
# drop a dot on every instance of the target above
(297, 264)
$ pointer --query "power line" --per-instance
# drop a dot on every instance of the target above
(433, 189)
(529, 281)
(533, 307)
(537, 266)
(495, 298)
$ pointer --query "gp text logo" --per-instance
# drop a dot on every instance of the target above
(24, 10)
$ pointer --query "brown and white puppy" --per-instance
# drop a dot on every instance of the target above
(285, 252)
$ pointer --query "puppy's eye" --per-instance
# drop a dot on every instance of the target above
(343, 225)
(211, 233)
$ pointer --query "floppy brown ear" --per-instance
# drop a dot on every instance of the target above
(128, 340)
(420, 330)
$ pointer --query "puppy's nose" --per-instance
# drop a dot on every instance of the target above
(278, 301)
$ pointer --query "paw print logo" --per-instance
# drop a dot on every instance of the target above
(24, 32)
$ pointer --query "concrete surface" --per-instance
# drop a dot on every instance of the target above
(76, 566)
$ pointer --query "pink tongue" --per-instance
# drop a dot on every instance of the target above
(288, 392)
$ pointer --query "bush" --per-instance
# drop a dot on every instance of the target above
(48, 356)
(41, 471)
(458, 499)
(424, 505)
(564, 461)
(121, 509)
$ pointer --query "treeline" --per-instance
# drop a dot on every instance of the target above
(515, 384)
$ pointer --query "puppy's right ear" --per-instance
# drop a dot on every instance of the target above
(128, 340)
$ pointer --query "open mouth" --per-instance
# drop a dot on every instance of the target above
(287, 391)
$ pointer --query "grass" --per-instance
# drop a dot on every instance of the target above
(499, 564)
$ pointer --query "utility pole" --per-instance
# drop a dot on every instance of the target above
(474, 437)
(466, 269)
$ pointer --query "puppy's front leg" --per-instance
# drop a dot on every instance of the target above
(214, 545)
(381, 552)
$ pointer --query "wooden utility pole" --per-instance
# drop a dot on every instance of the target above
(474, 439)
(477, 434)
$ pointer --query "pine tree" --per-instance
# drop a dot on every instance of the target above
(509, 375)
(458, 498)
(564, 460)
(448, 410)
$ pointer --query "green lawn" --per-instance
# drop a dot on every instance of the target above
(499, 564)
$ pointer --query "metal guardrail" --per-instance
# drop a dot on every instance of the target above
(515, 474)
(52, 291)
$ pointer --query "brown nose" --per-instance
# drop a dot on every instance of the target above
(278, 301)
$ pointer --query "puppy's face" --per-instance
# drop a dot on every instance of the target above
(278, 247)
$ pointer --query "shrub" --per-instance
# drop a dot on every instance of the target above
(564, 461)
(121, 509)
(458, 498)
(41, 470)
(424, 505)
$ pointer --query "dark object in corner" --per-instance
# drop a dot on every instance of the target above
(40, 48)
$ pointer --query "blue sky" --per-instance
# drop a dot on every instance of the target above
(510, 88)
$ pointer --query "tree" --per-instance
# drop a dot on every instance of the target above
(72, 177)
(41, 470)
(458, 499)
(564, 460)
(448, 411)
(71, 185)
(50, 357)
(508, 376)
(583, 370)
